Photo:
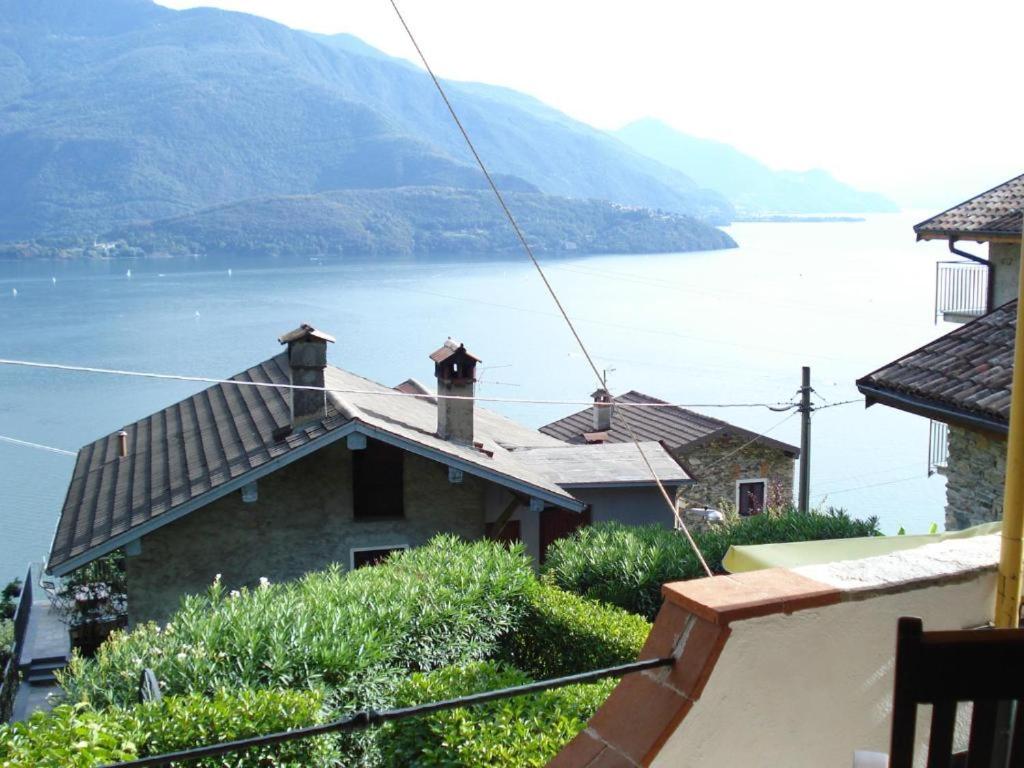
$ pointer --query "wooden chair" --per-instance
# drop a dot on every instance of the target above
(985, 667)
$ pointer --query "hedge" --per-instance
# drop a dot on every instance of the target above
(508, 733)
(627, 565)
(80, 736)
(563, 634)
(356, 633)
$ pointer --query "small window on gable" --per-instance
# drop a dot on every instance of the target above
(750, 497)
(377, 482)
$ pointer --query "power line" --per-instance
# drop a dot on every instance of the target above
(554, 296)
(40, 446)
(369, 392)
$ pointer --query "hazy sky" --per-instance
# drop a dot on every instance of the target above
(919, 100)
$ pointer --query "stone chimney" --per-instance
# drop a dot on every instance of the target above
(455, 369)
(602, 410)
(307, 358)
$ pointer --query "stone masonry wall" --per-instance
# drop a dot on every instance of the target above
(975, 475)
(301, 522)
(717, 472)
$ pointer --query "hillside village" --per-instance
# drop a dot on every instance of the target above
(288, 562)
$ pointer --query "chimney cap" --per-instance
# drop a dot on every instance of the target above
(304, 332)
(602, 395)
(451, 347)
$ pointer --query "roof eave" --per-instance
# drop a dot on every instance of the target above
(932, 409)
(627, 484)
(978, 236)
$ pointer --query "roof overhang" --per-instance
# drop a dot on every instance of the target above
(932, 409)
(626, 484)
(235, 484)
(976, 236)
(741, 434)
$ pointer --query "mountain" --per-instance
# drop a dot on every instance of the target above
(418, 221)
(113, 111)
(750, 185)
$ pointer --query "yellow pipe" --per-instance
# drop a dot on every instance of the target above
(1008, 592)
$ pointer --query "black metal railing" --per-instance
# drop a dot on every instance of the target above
(938, 446)
(961, 289)
(10, 678)
(369, 718)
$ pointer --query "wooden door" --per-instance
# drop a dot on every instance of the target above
(557, 523)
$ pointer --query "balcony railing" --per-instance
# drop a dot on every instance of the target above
(961, 290)
(938, 447)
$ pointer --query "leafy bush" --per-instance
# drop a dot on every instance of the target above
(6, 641)
(357, 633)
(514, 732)
(563, 634)
(9, 599)
(79, 736)
(627, 565)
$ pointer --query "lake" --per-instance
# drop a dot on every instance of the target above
(710, 327)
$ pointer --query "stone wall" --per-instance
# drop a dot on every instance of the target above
(975, 475)
(301, 522)
(718, 464)
(1005, 260)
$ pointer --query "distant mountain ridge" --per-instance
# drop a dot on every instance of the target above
(750, 185)
(419, 221)
(115, 111)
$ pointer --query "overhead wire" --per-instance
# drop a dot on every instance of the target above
(39, 446)
(781, 405)
(547, 284)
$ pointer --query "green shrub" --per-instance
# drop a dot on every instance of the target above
(356, 633)
(79, 736)
(6, 641)
(563, 634)
(513, 732)
(627, 565)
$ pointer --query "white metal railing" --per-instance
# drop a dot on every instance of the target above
(961, 288)
(938, 447)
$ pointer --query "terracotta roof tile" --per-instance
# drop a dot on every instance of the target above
(995, 212)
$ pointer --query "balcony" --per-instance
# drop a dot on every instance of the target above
(961, 291)
(938, 447)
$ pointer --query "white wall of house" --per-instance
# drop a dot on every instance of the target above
(1005, 261)
(811, 687)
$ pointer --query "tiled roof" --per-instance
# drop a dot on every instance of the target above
(182, 457)
(967, 372)
(596, 465)
(675, 427)
(995, 212)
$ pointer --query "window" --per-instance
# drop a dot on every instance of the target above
(364, 556)
(750, 496)
(377, 483)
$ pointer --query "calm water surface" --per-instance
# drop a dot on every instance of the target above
(711, 327)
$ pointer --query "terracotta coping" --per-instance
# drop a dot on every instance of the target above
(723, 599)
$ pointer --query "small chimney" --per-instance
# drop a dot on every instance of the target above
(307, 358)
(455, 369)
(602, 410)
(122, 444)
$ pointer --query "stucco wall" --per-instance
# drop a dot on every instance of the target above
(718, 464)
(975, 475)
(633, 506)
(1005, 260)
(809, 688)
(302, 521)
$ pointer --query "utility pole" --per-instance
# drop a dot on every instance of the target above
(805, 440)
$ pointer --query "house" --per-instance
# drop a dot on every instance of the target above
(961, 381)
(731, 466)
(968, 289)
(265, 478)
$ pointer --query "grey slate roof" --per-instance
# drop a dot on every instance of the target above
(677, 428)
(994, 213)
(578, 466)
(188, 454)
(965, 375)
